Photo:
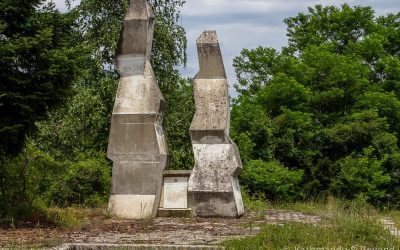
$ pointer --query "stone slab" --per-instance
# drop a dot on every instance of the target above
(175, 192)
(237, 196)
(172, 173)
(132, 139)
(137, 144)
(139, 94)
(175, 213)
(213, 189)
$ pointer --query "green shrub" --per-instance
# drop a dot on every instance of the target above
(65, 217)
(361, 175)
(25, 179)
(86, 182)
(35, 180)
(272, 179)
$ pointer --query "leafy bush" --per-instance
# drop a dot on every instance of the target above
(26, 179)
(361, 175)
(85, 182)
(273, 179)
(35, 180)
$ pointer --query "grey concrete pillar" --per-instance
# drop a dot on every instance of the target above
(213, 185)
(137, 145)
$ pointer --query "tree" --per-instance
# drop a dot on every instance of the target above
(327, 104)
(39, 60)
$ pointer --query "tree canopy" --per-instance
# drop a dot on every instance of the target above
(322, 115)
(39, 60)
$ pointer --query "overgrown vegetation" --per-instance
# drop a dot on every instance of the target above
(345, 224)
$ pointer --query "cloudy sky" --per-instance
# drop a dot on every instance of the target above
(249, 23)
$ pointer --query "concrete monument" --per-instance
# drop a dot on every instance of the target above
(213, 189)
(137, 145)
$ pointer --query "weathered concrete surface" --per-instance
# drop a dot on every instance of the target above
(175, 213)
(210, 124)
(137, 145)
(213, 186)
(175, 192)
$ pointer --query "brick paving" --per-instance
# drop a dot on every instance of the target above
(388, 224)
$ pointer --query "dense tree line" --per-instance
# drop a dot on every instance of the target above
(321, 116)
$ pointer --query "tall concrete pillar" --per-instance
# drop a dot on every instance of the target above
(137, 145)
(213, 185)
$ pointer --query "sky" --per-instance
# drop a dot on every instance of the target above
(248, 24)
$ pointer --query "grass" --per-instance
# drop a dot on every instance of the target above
(72, 217)
(346, 225)
(395, 216)
(258, 203)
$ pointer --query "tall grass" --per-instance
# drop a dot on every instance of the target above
(345, 225)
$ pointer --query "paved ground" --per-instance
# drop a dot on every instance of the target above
(166, 231)
(391, 226)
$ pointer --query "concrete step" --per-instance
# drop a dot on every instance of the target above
(179, 213)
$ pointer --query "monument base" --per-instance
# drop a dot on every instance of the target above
(215, 204)
(175, 213)
(131, 206)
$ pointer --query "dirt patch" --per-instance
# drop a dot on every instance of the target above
(171, 231)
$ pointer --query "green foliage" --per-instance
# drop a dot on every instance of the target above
(296, 236)
(328, 104)
(39, 59)
(85, 182)
(82, 124)
(272, 179)
(25, 178)
(361, 175)
(35, 180)
(180, 111)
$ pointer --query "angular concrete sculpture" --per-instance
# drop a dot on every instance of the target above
(137, 145)
(213, 185)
